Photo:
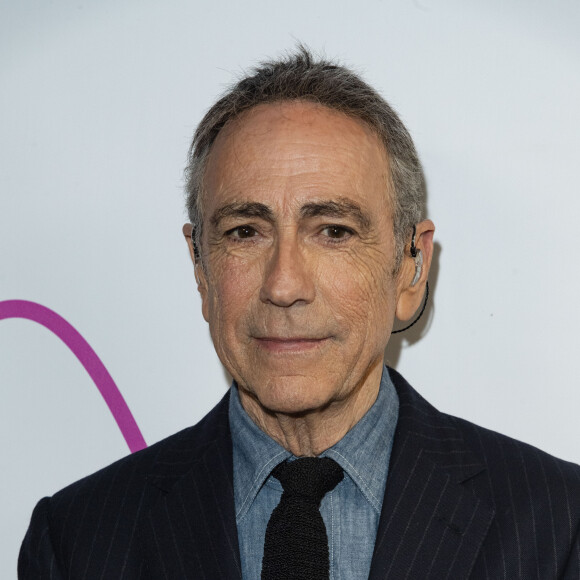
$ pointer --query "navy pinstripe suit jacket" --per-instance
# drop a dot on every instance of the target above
(461, 502)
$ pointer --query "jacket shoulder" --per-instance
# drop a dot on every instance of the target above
(534, 496)
(500, 454)
(159, 463)
(510, 459)
(101, 513)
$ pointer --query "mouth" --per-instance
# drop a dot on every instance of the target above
(274, 344)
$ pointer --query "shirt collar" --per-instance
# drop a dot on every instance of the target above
(363, 452)
(255, 455)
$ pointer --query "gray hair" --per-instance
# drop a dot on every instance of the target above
(299, 76)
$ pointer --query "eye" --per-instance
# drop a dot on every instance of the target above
(337, 232)
(242, 232)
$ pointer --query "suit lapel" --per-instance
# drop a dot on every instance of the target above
(432, 525)
(191, 530)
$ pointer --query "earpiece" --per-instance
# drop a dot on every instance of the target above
(418, 256)
(418, 266)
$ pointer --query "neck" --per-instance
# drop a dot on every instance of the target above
(308, 434)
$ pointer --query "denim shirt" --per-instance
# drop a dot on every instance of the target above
(351, 511)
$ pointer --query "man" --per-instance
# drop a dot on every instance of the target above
(308, 239)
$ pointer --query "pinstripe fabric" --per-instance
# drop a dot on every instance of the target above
(465, 502)
(164, 512)
(461, 502)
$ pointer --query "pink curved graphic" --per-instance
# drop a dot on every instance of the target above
(87, 357)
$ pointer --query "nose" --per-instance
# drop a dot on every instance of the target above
(288, 277)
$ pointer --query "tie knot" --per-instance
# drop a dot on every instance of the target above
(309, 477)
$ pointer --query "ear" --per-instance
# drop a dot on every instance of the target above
(198, 270)
(409, 297)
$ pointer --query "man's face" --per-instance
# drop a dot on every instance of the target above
(298, 253)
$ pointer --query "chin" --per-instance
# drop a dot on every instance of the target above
(292, 395)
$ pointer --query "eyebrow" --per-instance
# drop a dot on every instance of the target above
(340, 208)
(248, 209)
(337, 209)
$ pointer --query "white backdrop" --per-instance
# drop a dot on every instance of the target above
(98, 101)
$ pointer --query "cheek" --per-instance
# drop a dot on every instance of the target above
(362, 293)
(232, 284)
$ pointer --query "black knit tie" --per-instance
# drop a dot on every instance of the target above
(296, 544)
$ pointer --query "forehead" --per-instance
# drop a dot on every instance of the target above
(290, 151)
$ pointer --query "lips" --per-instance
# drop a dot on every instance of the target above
(289, 344)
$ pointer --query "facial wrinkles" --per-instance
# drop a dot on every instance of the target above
(287, 150)
(283, 171)
(269, 320)
(273, 321)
